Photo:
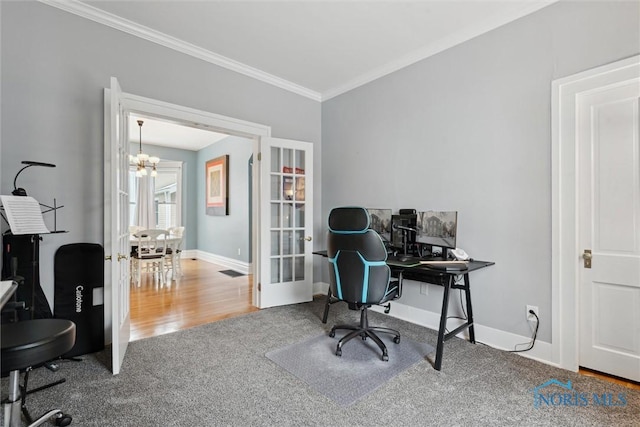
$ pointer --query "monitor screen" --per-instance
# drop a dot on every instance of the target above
(381, 222)
(398, 234)
(437, 228)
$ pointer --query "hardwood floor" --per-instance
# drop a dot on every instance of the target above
(202, 295)
(616, 380)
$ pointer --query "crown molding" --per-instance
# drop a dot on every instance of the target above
(435, 48)
(100, 16)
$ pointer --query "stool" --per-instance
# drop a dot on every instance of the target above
(27, 344)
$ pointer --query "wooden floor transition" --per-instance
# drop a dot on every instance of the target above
(201, 295)
(204, 295)
(616, 380)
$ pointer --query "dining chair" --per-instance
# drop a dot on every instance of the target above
(172, 256)
(173, 260)
(133, 229)
(150, 253)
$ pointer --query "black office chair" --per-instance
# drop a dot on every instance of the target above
(359, 274)
(25, 345)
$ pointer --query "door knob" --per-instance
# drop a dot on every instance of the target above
(308, 238)
(586, 255)
(121, 257)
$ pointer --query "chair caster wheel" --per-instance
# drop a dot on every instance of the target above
(339, 352)
(63, 420)
(385, 357)
(396, 339)
(332, 333)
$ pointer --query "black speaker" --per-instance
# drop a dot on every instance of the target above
(407, 211)
(79, 275)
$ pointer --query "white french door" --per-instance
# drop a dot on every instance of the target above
(286, 222)
(608, 135)
(116, 218)
(284, 218)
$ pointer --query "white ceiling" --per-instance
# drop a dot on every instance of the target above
(315, 48)
(318, 49)
(168, 134)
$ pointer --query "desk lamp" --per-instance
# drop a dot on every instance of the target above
(21, 191)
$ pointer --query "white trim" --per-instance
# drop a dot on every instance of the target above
(565, 253)
(105, 18)
(541, 351)
(320, 288)
(199, 118)
(493, 337)
(233, 264)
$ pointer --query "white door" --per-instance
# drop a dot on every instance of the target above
(286, 222)
(116, 223)
(608, 127)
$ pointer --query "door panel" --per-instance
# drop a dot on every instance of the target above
(609, 215)
(286, 267)
(117, 224)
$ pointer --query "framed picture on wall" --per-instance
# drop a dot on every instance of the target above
(217, 186)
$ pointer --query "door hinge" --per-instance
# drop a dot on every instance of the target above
(259, 155)
(259, 286)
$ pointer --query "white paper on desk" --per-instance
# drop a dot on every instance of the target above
(24, 215)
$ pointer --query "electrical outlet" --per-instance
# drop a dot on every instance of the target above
(531, 317)
(424, 289)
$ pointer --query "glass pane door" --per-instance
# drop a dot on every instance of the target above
(286, 222)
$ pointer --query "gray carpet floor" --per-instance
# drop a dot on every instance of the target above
(360, 369)
(218, 374)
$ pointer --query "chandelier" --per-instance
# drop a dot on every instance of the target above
(144, 161)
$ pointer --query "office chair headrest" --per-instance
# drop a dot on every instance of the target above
(349, 220)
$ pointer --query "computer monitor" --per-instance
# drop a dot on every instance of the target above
(381, 222)
(399, 231)
(437, 229)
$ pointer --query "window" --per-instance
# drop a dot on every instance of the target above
(167, 196)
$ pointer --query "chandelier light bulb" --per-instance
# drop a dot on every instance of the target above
(142, 158)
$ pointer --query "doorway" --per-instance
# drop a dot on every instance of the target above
(595, 131)
(282, 260)
(200, 293)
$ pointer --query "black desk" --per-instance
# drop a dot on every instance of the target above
(447, 279)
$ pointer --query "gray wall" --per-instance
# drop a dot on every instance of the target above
(469, 130)
(224, 235)
(54, 68)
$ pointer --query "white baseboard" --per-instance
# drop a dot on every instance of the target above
(542, 351)
(230, 263)
(320, 288)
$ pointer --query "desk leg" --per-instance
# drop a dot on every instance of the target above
(467, 291)
(326, 306)
(443, 323)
